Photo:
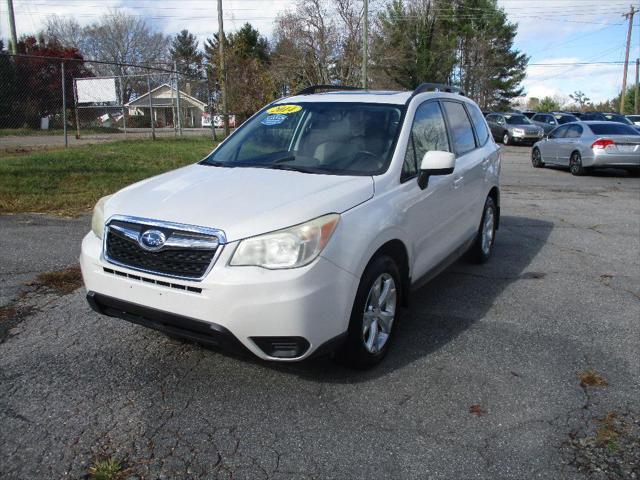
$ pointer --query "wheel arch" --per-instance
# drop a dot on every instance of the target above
(397, 250)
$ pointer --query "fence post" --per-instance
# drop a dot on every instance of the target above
(75, 104)
(124, 115)
(210, 108)
(175, 68)
(153, 128)
(173, 106)
(64, 106)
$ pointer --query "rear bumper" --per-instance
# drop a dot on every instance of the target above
(623, 160)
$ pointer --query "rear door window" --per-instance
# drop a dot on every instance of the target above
(574, 131)
(482, 131)
(460, 127)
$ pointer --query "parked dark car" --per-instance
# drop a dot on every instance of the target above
(549, 121)
(609, 117)
(635, 119)
(529, 113)
(510, 128)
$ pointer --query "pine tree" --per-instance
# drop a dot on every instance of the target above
(184, 51)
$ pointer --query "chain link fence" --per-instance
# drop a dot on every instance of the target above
(69, 99)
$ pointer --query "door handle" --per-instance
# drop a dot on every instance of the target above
(457, 183)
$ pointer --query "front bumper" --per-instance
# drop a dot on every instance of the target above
(526, 139)
(231, 306)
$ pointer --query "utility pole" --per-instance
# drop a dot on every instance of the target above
(223, 72)
(628, 16)
(365, 43)
(635, 103)
(12, 25)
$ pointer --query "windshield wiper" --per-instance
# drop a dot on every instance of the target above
(216, 163)
(293, 168)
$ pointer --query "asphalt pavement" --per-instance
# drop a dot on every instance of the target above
(483, 380)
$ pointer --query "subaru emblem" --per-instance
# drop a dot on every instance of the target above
(152, 240)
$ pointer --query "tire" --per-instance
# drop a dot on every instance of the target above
(575, 165)
(367, 342)
(536, 158)
(482, 247)
(634, 172)
(506, 139)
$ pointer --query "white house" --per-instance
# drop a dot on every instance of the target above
(165, 101)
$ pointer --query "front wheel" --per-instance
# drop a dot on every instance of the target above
(482, 246)
(374, 314)
(536, 158)
(506, 139)
(575, 165)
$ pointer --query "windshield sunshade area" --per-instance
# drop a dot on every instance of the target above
(332, 138)
(517, 120)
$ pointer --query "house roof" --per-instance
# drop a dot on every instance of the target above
(165, 96)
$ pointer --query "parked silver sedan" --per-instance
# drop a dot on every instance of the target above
(583, 146)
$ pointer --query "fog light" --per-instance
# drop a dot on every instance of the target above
(282, 347)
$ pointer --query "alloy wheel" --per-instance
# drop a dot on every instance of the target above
(488, 231)
(379, 313)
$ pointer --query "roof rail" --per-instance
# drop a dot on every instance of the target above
(436, 87)
(316, 88)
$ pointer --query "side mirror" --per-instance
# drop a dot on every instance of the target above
(435, 162)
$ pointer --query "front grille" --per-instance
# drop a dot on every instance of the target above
(131, 276)
(176, 261)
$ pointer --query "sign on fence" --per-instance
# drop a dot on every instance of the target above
(96, 90)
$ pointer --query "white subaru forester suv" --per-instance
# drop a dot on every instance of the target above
(304, 231)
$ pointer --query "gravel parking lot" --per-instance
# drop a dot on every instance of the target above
(526, 367)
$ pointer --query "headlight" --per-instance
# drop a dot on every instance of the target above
(518, 132)
(97, 221)
(288, 248)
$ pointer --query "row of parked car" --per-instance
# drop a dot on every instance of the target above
(580, 141)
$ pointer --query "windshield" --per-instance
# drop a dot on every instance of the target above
(333, 138)
(517, 120)
(562, 119)
(612, 117)
(612, 129)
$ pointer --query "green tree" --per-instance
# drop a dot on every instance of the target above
(247, 57)
(629, 101)
(184, 51)
(488, 68)
(549, 104)
(469, 43)
(411, 44)
(581, 99)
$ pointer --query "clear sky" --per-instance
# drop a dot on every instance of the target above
(549, 31)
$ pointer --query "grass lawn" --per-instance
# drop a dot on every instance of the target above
(69, 182)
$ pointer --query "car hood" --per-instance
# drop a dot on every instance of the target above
(242, 202)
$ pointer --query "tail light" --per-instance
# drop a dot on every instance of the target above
(603, 143)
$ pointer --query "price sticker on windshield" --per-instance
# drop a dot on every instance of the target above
(284, 109)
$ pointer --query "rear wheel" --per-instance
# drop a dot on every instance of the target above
(374, 314)
(536, 158)
(482, 246)
(575, 165)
